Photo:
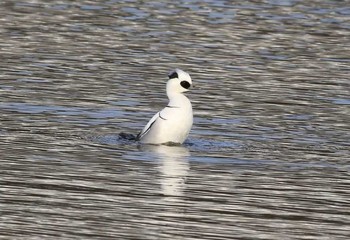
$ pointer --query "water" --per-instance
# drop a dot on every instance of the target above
(268, 155)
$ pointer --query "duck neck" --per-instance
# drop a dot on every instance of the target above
(178, 100)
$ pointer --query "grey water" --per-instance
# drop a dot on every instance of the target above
(268, 154)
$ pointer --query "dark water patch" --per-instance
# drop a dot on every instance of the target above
(206, 145)
(114, 140)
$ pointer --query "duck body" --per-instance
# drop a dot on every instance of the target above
(173, 123)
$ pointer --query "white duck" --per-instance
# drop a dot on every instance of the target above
(174, 122)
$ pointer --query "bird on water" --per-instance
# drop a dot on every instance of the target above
(174, 122)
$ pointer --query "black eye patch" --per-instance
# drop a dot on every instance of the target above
(185, 84)
(173, 75)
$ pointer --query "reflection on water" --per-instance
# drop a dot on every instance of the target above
(173, 166)
(268, 155)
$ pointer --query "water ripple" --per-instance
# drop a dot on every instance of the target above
(267, 157)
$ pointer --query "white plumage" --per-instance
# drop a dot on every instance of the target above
(174, 122)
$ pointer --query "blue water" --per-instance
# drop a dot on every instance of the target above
(268, 154)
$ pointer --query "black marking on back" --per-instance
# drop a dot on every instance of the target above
(140, 135)
(172, 106)
(173, 75)
(185, 84)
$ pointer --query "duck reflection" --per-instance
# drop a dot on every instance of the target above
(174, 168)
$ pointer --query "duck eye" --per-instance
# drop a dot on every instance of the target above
(185, 84)
(173, 75)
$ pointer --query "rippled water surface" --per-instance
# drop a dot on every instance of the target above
(268, 155)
